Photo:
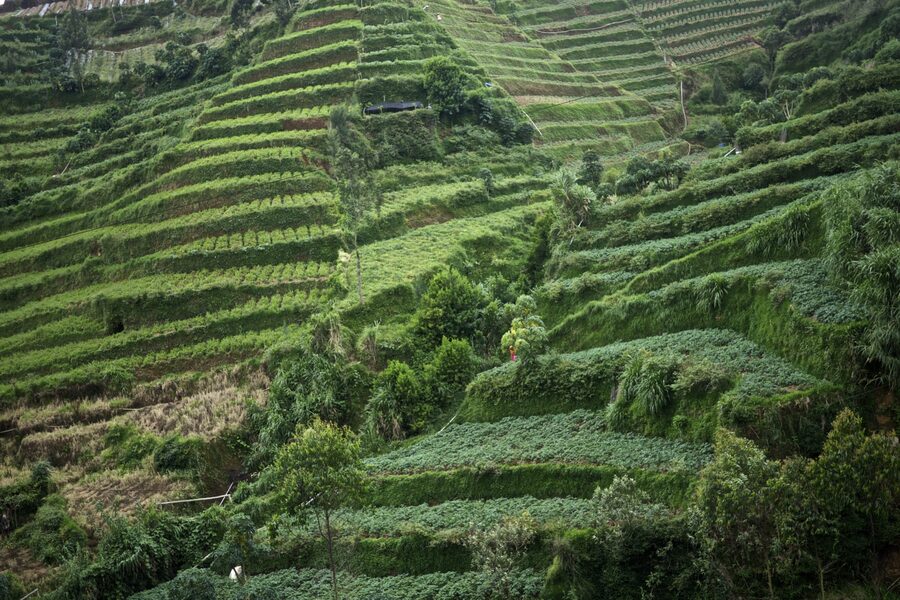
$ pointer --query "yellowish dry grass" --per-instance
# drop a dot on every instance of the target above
(121, 493)
(64, 445)
(218, 405)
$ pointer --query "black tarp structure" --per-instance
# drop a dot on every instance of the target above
(391, 107)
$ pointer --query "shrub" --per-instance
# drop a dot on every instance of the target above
(449, 308)
(527, 336)
(306, 386)
(126, 446)
(445, 84)
(396, 408)
(450, 370)
(863, 253)
(53, 536)
(193, 584)
(176, 453)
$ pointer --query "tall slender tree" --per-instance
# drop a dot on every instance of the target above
(352, 162)
(320, 471)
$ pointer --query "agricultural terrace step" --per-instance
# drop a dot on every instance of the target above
(326, 15)
(311, 59)
(608, 49)
(536, 87)
(541, 480)
(617, 61)
(157, 298)
(578, 25)
(863, 108)
(575, 150)
(310, 584)
(251, 315)
(166, 205)
(309, 97)
(314, 139)
(832, 136)
(111, 376)
(240, 163)
(788, 307)
(568, 10)
(63, 331)
(338, 73)
(458, 516)
(640, 129)
(293, 120)
(817, 163)
(576, 438)
(565, 77)
(693, 218)
(312, 38)
(589, 379)
(628, 32)
(545, 65)
(269, 248)
(127, 241)
(612, 109)
(648, 254)
(391, 267)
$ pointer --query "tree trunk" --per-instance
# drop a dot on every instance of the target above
(821, 578)
(359, 276)
(769, 581)
(329, 543)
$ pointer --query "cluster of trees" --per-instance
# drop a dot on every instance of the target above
(580, 190)
(756, 527)
(456, 94)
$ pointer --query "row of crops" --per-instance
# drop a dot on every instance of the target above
(552, 88)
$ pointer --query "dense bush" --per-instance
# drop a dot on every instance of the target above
(20, 500)
(52, 537)
(306, 386)
(449, 308)
(863, 253)
(396, 408)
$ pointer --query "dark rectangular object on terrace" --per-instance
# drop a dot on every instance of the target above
(383, 107)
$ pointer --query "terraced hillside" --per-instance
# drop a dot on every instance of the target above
(165, 252)
(505, 344)
(574, 111)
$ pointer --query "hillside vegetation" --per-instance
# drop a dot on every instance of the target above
(612, 312)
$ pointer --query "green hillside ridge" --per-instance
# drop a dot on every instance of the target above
(613, 314)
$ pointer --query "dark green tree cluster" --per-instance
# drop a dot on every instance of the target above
(457, 95)
(664, 173)
(794, 525)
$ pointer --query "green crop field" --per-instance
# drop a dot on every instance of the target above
(467, 300)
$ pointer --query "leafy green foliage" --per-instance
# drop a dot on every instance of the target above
(10, 587)
(20, 500)
(52, 536)
(863, 252)
(307, 385)
(318, 472)
(640, 172)
(445, 84)
(307, 584)
(396, 408)
(499, 550)
(352, 158)
(775, 525)
(574, 201)
(449, 308)
(451, 368)
(575, 437)
(527, 336)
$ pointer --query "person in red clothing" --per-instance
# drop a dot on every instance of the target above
(512, 354)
